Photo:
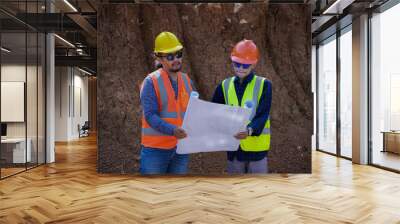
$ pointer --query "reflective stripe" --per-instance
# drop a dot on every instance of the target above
(226, 84)
(256, 91)
(166, 114)
(266, 131)
(257, 88)
(163, 90)
(186, 83)
(152, 132)
(164, 98)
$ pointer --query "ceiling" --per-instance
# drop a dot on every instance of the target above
(332, 15)
(72, 20)
(76, 22)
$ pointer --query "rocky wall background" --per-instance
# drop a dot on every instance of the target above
(208, 32)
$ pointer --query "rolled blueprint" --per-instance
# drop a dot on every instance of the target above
(194, 94)
(249, 104)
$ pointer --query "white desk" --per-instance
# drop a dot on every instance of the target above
(19, 149)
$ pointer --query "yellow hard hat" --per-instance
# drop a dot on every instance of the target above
(167, 42)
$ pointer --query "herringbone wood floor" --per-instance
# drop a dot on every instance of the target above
(70, 191)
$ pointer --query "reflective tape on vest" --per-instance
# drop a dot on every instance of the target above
(266, 131)
(163, 91)
(152, 132)
(166, 114)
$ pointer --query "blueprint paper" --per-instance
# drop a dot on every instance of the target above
(211, 127)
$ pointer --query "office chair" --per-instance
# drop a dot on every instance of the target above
(84, 130)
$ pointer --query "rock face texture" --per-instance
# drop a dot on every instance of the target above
(208, 32)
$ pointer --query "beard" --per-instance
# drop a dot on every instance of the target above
(177, 69)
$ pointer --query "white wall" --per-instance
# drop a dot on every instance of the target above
(14, 73)
(81, 84)
(71, 102)
(62, 81)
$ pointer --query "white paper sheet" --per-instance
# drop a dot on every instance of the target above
(211, 127)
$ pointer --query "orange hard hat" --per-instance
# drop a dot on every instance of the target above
(245, 52)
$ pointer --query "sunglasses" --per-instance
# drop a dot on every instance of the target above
(171, 57)
(244, 66)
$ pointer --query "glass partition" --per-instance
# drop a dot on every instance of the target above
(327, 95)
(385, 89)
(14, 153)
(346, 93)
(22, 88)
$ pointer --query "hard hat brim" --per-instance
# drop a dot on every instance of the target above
(170, 50)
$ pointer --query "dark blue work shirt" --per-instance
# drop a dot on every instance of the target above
(259, 120)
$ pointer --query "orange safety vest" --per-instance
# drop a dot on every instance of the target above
(171, 110)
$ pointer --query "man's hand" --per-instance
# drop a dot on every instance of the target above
(241, 135)
(179, 133)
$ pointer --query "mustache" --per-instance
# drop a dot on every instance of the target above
(175, 70)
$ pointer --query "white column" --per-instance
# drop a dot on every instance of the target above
(50, 93)
(360, 90)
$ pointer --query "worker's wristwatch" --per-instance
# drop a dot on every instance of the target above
(249, 131)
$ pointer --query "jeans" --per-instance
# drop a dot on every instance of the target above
(160, 161)
(252, 167)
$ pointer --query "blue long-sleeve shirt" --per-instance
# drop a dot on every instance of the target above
(149, 102)
(259, 120)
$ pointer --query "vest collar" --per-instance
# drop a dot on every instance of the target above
(163, 71)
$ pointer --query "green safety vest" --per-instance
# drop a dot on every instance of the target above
(252, 93)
